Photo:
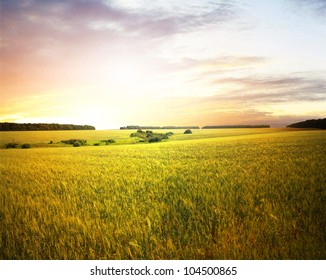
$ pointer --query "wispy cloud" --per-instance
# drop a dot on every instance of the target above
(104, 16)
(242, 102)
(224, 62)
(42, 34)
(274, 90)
(318, 6)
(222, 65)
(221, 111)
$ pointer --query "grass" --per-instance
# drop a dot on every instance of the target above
(122, 137)
(221, 194)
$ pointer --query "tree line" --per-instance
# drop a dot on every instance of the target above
(320, 123)
(194, 127)
(236, 126)
(158, 127)
(6, 126)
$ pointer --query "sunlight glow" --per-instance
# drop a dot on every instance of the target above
(112, 63)
(128, 73)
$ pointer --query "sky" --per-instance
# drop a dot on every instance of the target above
(112, 63)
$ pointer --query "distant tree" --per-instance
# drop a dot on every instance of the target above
(107, 142)
(158, 127)
(72, 141)
(42, 126)
(150, 136)
(11, 145)
(187, 131)
(236, 126)
(26, 146)
(77, 144)
(155, 139)
(320, 123)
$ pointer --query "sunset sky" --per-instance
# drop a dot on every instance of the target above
(111, 63)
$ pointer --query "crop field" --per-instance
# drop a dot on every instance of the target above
(214, 194)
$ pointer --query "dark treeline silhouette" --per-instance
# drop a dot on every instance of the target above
(194, 127)
(42, 126)
(236, 126)
(158, 127)
(320, 123)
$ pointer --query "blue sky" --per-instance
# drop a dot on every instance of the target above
(115, 63)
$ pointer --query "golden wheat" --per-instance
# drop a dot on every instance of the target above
(257, 196)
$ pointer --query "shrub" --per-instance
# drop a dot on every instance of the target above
(187, 131)
(51, 142)
(155, 139)
(11, 145)
(96, 144)
(26, 146)
(150, 136)
(139, 134)
(77, 144)
(72, 141)
(110, 141)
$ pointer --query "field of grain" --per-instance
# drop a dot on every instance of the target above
(215, 194)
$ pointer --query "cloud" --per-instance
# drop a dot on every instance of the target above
(38, 35)
(224, 64)
(253, 100)
(274, 90)
(318, 6)
(203, 71)
(91, 16)
(210, 111)
(225, 61)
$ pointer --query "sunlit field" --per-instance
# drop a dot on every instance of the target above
(43, 138)
(214, 194)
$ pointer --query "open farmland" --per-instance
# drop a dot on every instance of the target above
(215, 194)
(42, 138)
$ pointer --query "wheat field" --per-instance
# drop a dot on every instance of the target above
(215, 194)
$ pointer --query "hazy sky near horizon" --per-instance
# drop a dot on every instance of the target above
(112, 63)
